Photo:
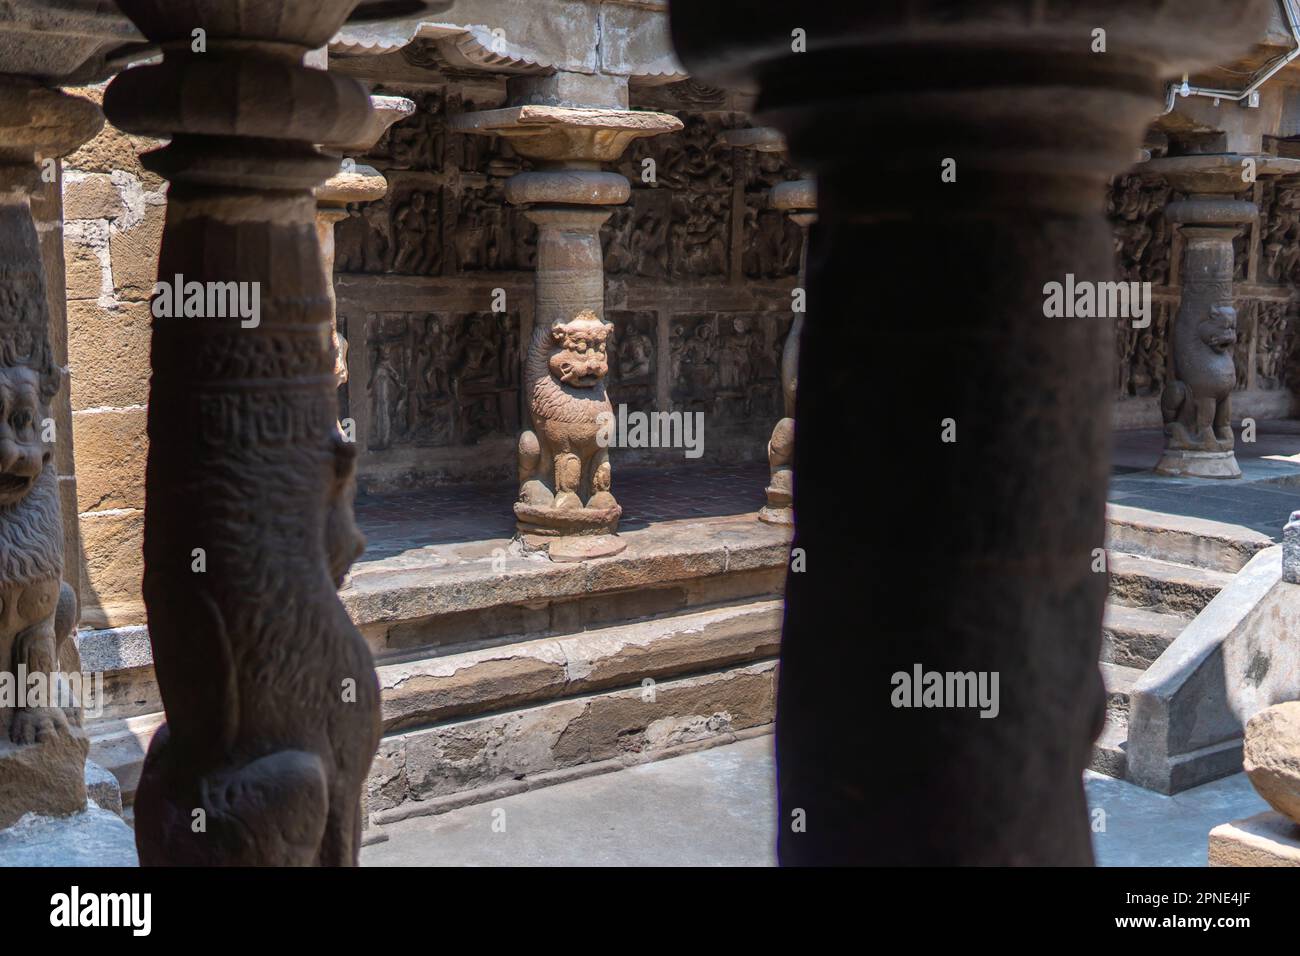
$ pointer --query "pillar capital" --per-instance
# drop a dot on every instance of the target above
(565, 134)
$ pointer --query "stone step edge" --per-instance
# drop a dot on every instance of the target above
(456, 756)
(119, 745)
(1135, 636)
(1199, 542)
(436, 806)
(493, 679)
(1180, 589)
(696, 550)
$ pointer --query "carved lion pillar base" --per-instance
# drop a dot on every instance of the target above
(565, 492)
(1197, 401)
(42, 745)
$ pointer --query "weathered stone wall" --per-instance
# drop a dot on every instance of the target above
(699, 275)
(114, 211)
(1268, 309)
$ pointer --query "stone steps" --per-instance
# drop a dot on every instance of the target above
(1135, 637)
(1163, 587)
(1164, 570)
(495, 672)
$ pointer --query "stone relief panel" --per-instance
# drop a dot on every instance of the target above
(445, 212)
(1142, 235)
(633, 360)
(1279, 216)
(1142, 355)
(438, 380)
(1275, 345)
(727, 364)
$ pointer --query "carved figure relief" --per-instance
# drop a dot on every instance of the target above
(632, 353)
(726, 365)
(438, 380)
(1143, 239)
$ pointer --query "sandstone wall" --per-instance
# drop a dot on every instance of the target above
(113, 211)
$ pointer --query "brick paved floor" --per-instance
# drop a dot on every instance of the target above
(455, 513)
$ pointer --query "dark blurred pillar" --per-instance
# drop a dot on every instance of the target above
(966, 556)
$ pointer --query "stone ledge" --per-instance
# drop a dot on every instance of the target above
(505, 748)
(394, 590)
(492, 679)
(465, 798)
(1266, 839)
(1213, 545)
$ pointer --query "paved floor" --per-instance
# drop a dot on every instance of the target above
(716, 808)
(399, 521)
(710, 808)
(1262, 499)
(1143, 828)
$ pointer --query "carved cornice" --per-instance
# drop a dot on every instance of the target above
(626, 38)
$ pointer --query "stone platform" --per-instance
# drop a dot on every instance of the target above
(503, 670)
(1267, 492)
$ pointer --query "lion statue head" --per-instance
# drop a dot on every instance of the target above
(23, 452)
(578, 357)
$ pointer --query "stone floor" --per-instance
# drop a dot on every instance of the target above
(398, 521)
(716, 808)
(1262, 499)
(1143, 828)
(710, 808)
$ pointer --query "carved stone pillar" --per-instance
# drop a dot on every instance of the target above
(352, 184)
(566, 504)
(271, 697)
(42, 746)
(798, 198)
(1197, 401)
(977, 559)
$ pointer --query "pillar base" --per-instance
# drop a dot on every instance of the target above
(1181, 463)
(572, 547)
(45, 778)
(780, 516)
(533, 520)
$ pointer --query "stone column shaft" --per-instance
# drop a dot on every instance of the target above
(924, 555)
(271, 697)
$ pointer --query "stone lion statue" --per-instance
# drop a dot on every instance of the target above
(1197, 407)
(37, 610)
(564, 471)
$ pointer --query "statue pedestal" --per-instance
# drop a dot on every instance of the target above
(1186, 463)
